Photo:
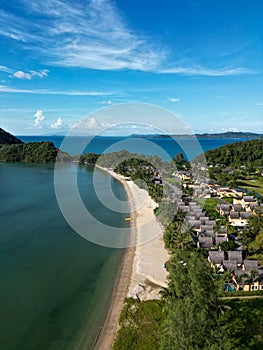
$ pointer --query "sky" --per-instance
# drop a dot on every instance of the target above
(61, 61)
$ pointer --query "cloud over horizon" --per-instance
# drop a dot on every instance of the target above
(57, 124)
(39, 118)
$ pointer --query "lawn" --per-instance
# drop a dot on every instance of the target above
(255, 185)
(208, 203)
(173, 181)
(228, 199)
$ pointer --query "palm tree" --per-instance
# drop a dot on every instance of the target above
(182, 238)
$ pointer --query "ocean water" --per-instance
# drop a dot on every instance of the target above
(55, 286)
(166, 148)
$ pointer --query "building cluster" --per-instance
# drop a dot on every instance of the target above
(246, 274)
(240, 211)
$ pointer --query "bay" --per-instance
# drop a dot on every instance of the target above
(55, 286)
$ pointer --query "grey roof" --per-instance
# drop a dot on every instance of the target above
(190, 217)
(235, 255)
(221, 234)
(220, 239)
(206, 227)
(250, 264)
(205, 242)
(216, 256)
(225, 207)
(196, 224)
(204, 218)
(222, 229)
(245, 215)
(237, 207)
(249, 199)
(184, 208)
(230, 265)
(234, 215)
(210, 222)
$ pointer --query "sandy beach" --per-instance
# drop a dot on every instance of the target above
(141, 273)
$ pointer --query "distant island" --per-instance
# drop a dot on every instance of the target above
(225, 135)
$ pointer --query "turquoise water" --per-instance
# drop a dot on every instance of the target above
(55, 286)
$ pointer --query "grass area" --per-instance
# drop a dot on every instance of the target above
(250, 184)
(228, 199)
(243, 320)
(208, 203)
(173, 181)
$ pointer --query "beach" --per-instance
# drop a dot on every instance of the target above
(142, 273)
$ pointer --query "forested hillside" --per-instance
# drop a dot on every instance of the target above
(8, 139)
(248, 153)
(14, 150)
(35, 152)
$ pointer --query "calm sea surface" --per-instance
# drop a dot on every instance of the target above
(55, 286)
(154, 146)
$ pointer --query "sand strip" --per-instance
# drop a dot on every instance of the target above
(142, 273)
(107, 333)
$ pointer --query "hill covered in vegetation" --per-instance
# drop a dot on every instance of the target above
(34, 152)
(245, 154)
(8, 139)
(14, 150)
(235, 162)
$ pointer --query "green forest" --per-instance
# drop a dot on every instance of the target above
(7, 139)
(14, 150)
(236, 165)
(234, 155)
(34, 152)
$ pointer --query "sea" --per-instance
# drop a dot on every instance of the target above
(166, 148)
(55, 286)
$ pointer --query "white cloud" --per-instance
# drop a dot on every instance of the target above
(4, 88)
(100, 38)
(57, 124)
(22, 75)
(40, 74)
(207, 71)
(90, 125)
(5, 69)
(174, 99)
(28, 76)
(39, 117)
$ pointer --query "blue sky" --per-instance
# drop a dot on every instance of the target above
(63, 60)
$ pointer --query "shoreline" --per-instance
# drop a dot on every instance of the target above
(106, 335)
(141, 274)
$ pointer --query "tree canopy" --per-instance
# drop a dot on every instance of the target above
(7, 139)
